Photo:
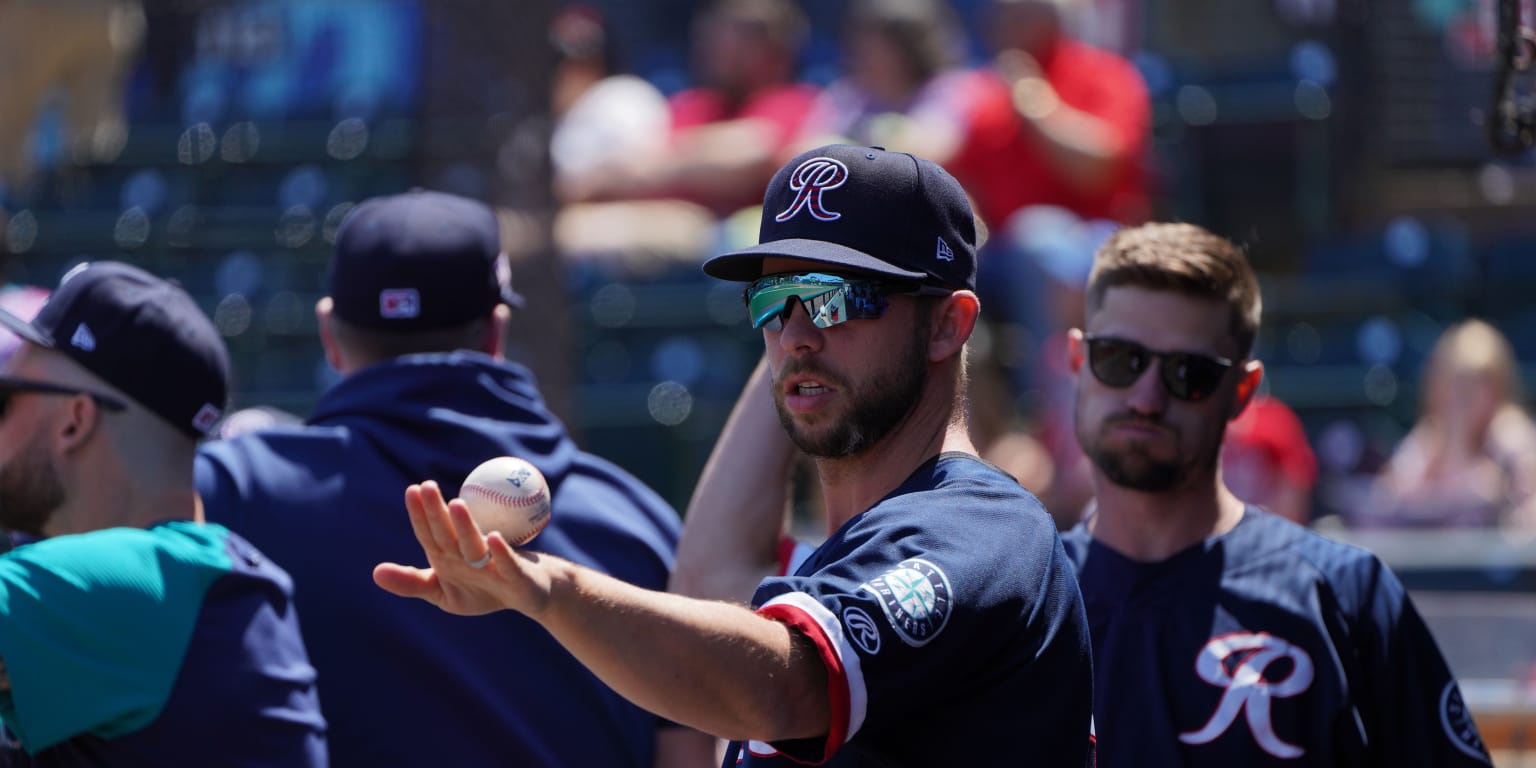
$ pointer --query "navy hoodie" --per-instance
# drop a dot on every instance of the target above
(403, 683)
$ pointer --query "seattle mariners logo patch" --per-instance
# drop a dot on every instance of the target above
(810, 180)
(1456, 719)
(915, 598)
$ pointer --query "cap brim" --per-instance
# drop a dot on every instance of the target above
(746, 264)
(24, 329)
(513, 299)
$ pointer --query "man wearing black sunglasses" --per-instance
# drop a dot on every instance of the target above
(131, 631)
(938, 624)
(1223, 635)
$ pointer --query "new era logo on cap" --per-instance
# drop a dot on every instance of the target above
(945, 253)
(83, 338)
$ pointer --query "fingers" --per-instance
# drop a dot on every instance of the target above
(406, 581)
(472, 545)
(434, 512)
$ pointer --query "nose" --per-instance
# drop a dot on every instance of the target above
(1147, 395)
(799, 335)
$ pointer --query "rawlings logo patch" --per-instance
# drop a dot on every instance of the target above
(810, 180)
(862, 630)
(915, 598)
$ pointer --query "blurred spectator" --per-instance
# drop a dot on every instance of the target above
(82, 49)
(414, 321)
(604, 118)
(1267, 461)
(1470, 460)
(23, 301)
(1073, 119)
(901, 88)
(730, 131)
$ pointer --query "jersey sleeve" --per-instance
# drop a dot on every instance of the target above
(1413, 707)
(92, 635)
(906, 615)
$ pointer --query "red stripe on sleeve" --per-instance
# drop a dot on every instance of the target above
(837, 676)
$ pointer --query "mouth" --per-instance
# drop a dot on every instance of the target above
(803, 393)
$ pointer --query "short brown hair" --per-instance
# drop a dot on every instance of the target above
(1183, 258)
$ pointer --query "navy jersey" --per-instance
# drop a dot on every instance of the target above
(951, 627)
(1268, 645)
(175, 645)
(407, 684)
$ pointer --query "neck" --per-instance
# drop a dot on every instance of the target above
(117, 498)
(1151, 527)
(852, 484)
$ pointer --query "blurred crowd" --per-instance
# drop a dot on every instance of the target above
(644, 180)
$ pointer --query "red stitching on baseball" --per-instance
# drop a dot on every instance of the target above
(498, 496)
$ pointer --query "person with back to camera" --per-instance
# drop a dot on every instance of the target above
(1224, 635)
(132, 632)
(939, 624)
(416, 311)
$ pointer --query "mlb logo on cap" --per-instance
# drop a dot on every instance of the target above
(396, 303)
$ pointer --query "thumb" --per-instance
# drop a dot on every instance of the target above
(406, 581)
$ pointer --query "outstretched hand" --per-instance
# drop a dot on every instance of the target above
(454, 546)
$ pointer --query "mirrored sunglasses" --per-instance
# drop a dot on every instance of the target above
(828, 299)
(1186, 376)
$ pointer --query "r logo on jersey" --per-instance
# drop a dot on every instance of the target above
(915, 598)
(1248, 690)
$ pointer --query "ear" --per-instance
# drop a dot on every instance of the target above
(953, 321)
(493, 342)
(1247, 386)
(80, 420)
(1077, 350)
(327, 339)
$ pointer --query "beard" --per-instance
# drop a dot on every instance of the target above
(877, 407)
(30, 492)
(1134, 467)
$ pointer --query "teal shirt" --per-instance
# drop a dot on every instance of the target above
(130, 633)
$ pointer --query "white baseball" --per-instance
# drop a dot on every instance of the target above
(507, 494)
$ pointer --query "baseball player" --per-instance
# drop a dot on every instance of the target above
(1223, 635)
(413, 320)
(131, 632)
(939, 624)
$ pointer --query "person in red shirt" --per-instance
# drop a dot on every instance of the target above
(1061, 123)
(730, 132)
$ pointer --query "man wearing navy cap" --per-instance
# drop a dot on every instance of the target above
(131, 632)
(938, 624)
(419, 297)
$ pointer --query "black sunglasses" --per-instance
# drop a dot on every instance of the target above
(9, 386)
(1187, 376)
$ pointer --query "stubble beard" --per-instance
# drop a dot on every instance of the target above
(1133, 468)
(30, 492)
(874, 409)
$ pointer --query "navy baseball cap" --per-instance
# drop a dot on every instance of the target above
(418, 261)
(866, 209)
(139, 333)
